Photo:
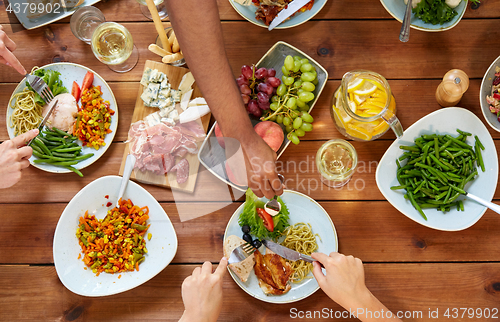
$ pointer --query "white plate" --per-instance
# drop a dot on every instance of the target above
(248, 12)
(73, 72)
(443, 121)
(397, 9)
(161, 248)
(20, 9)
(486, 85)
(302, 209)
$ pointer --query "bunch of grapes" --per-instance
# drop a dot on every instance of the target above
(290, 104)
(256, 87)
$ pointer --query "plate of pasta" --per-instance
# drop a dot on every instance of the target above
(25, 112)
(309, 223)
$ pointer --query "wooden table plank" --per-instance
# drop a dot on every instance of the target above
(128, 11)
(37, 294)
(374, 43)
(381, 234)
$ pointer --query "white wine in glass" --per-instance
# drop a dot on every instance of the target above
(160, 6)
(113, 45)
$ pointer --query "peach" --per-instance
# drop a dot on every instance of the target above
(271, 133)
(220, 136)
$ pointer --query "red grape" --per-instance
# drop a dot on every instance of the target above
(273, 81)
(246, 71)
(241, 80)
(253, 108)
(261, 73)
(271, 72)
(264, 105)
(244, 89)
(245, 98)
(262, 97)
(266, 88)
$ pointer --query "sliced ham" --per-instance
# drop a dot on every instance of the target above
(156, 147)
(182, 169)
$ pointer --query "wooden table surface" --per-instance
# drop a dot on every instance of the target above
(409, 267)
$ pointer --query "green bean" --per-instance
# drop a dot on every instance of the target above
(415, 204)
(479, 156)
(69, 149)
(59, 163)
(399, 187)
(464, 133)
(409, 148)
(445, 146)
(458, 142)
(42, 145)
(479, 142)
(447, 195)
(74, 170)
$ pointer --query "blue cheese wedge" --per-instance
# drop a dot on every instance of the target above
(176, 95)
(145, 77)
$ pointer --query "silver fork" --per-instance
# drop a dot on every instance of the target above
(240, 253)
(39, 86)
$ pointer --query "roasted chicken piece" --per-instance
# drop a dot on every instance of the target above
(273, 273)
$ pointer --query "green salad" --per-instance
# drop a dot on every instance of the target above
(51, 78)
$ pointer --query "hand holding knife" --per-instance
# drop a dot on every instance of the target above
(288, 253)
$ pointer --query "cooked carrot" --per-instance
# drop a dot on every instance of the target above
(113, 244)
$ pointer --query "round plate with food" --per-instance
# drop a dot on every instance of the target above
(248, 10)
(303, 214)
(91, 255)
(66, 81)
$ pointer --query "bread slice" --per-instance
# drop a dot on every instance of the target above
(243, 268)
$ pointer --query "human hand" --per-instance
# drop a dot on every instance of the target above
(7, 46)
(202, 293)
(345, 278)
(260, 162)
(14, 158)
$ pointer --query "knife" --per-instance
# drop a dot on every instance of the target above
(291, 8)
(286, 252)
(40, 127)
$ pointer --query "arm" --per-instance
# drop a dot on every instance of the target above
(7, 46)
(14, 158)
(345, 284)
(198, 28)
(202, 293)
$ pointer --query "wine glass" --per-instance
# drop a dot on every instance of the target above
(113, 45)
(84, 21)
(160, 6)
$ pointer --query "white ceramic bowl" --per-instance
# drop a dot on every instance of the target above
(397, 8)
(486, 85)
(304, 209)
(443, 121)
(161, 248)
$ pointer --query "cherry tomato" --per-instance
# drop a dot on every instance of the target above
(87, 81)
(75, 91)
(268, 220)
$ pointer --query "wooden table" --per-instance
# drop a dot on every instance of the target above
(408, 267)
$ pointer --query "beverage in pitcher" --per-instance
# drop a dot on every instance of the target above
(363, 107)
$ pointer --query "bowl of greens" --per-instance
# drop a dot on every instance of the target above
(466, 161)
(428, 15)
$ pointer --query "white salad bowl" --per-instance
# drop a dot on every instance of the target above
(443, 121)
(71, 270)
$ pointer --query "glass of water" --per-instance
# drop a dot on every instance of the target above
(160, 6)
(84, 21)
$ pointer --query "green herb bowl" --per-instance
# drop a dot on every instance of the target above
(396, 8)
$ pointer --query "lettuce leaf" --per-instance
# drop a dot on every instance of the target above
(434, 11)
(51, 78)
(250, 217)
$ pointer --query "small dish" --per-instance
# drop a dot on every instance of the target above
(212, 155)
(396, 8)
(485, 90)
(53, 12)
(298, 204)
(248, 12)
(71, 270)
(73, 72)
(443, 121)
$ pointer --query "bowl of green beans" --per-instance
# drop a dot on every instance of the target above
(427, 172)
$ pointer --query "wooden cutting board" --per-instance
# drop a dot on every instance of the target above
(169, 180)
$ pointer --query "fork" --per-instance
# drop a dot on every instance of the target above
(240, 253)
(39, 86)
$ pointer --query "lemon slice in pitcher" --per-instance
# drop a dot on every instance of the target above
(367, 89)
(355, 85)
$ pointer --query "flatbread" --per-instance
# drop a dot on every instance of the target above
(243, 268)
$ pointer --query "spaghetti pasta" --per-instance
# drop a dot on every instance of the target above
(27, 114)
(300, 238)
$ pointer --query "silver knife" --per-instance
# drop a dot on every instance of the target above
(292, 8)
(40, 127)
(286, 252)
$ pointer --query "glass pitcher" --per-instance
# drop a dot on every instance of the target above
(363, 107)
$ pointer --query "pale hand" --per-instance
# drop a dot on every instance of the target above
(7, 46)
(202, 293)
(14, 157)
